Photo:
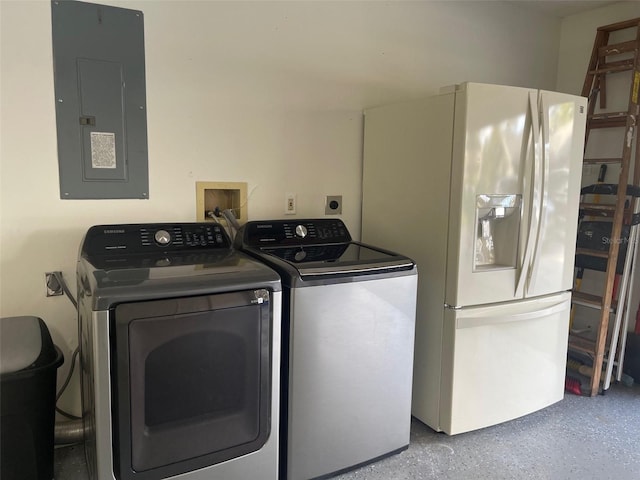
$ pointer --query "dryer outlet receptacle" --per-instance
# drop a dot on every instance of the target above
(333, 205)
(53, 283)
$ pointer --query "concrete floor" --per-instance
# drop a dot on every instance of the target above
(577, 438)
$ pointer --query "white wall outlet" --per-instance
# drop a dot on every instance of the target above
(333, 205)
(290, 204)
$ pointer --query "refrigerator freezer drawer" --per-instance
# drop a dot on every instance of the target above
(506, 361)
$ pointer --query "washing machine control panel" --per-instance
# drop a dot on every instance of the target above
(297, 232)
(151, 238)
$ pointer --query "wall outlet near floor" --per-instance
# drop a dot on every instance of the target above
(53, 283)
(290, 204)
(333, 205)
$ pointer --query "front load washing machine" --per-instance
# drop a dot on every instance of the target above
(180, 355)
(348, 333)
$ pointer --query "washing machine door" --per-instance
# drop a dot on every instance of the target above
(192, 380)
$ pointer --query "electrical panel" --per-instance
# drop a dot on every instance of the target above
(99, 76)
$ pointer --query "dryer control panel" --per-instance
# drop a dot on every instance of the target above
(296, 232)
(150, 238)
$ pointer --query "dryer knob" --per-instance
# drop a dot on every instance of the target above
(162, 237)
(301, 231)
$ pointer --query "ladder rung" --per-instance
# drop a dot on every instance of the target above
(609, 189)
(618, 48)
(613, 27)
(595, 161)
(597, 210)
(604, 207)
(591, 301)
(608, 120)
(628, 217)
(592, 253)
(609, 116)
(580, 344)
(613, 67)
(586, 211)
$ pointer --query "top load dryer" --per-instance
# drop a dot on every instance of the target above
(348, 334)
(180, 353)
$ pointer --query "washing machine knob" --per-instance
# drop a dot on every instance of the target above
(162, 237)
(301, 231)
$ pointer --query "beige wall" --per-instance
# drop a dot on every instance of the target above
(269, 93)
(576, 41)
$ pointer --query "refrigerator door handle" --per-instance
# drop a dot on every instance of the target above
(544, 127)
(533, 201)
(471, 322)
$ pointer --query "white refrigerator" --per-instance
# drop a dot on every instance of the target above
(480, 185)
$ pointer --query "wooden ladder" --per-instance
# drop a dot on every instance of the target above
(608, 59)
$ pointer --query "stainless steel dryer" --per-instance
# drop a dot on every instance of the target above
(180, 349)
(348, 321)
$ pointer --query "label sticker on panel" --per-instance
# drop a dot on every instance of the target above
(103, 150)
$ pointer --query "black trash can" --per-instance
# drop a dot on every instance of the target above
(28, 364)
